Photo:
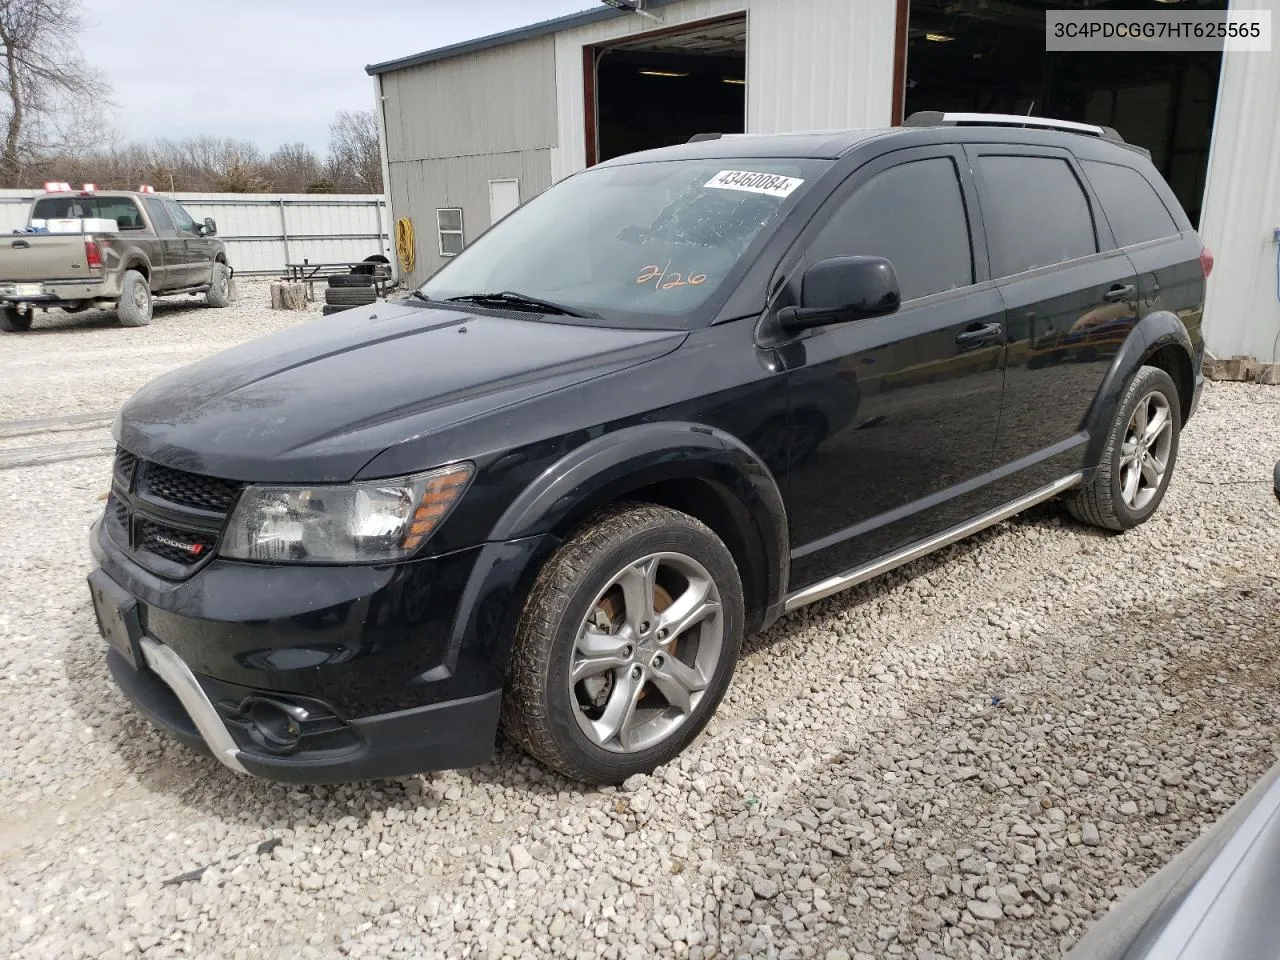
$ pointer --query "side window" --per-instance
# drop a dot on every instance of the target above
(159, 215)
(449, 228)
(1035, 211)
(1133, 208)
(181, 219)
(912, 215)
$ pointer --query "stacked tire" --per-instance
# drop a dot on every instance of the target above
(349, 290)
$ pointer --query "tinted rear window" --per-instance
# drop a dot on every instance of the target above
(120, 209)
(1133, 208)
(1035, 211)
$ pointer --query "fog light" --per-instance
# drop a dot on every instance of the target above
(275, 725)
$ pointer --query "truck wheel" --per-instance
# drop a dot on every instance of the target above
(626, 644)
(134, 309)
(219, 292)
(1137, 462)
(11, 321)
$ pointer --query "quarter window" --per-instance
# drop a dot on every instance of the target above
(1134, 210)
(449, 225)
(1035, 211)
(912, 215)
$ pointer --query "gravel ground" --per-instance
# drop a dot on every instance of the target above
(86, 362)
(859, 794)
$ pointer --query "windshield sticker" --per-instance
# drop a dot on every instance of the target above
(769, 184)
(669, 281)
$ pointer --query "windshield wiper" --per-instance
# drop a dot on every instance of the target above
(518, 300)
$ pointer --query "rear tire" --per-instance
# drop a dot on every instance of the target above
(345, 280)
(11, 321)
(135, 306)
(350, 296)
(643, 605)
(1137, 462)
(219, 292)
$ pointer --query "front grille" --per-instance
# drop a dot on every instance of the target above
(190, 489)
(185, 547)
(168, 520)
(125, 465)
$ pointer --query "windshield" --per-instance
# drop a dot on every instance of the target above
(650, 240)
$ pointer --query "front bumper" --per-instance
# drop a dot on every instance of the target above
(389, 670)
(444, 736)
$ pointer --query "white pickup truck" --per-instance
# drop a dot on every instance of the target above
(84, 249)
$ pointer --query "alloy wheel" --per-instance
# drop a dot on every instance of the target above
(646, 652)
(1144, 453)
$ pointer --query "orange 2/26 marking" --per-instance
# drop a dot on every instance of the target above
(665, 281)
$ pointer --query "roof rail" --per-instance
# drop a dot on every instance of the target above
(702, 137)
(936, 118)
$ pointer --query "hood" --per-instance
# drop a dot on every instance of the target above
(319, 401)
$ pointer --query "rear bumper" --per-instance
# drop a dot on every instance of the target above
(56, 292)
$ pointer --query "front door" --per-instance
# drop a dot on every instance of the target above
(172, 269)
(894, 418)
(197, 253)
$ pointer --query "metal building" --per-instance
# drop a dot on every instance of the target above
(472, 130)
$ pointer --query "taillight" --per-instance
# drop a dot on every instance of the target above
(1206, 261)
(92, 255)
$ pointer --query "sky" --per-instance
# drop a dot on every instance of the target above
(270, 71)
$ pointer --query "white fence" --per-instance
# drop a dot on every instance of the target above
(264, 231)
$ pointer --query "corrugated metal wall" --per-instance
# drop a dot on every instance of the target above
(454, 125)
(420, 187)
(263, 232)
(570, 155)
(811, 64)
(1242, 206)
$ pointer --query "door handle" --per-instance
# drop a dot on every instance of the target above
(1119, 292)
(20, 245)
(975, 335)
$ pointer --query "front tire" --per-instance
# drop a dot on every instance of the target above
(627, 643)
(219, 292)
(1137, 462)
(11, 321)
(135, 306)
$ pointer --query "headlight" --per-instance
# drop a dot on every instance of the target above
(377, 520)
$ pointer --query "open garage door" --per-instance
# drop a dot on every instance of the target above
(663, 87)
(988, 56)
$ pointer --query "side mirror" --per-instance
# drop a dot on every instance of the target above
(210, 228)
(841, 289)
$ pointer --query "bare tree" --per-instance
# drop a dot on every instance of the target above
(355, 160)
(52, 98)
(293, 167)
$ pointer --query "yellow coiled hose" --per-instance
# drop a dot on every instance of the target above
(404, 244)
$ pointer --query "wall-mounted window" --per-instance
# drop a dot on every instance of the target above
(449, 226)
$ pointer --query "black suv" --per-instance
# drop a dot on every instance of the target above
(650, 411)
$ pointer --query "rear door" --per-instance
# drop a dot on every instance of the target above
(1165, 258)
(1070, 301)
(172, 249)
(894, 418)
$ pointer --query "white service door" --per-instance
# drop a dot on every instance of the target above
(504, 196)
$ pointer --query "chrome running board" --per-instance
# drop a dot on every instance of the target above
(851, 578)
